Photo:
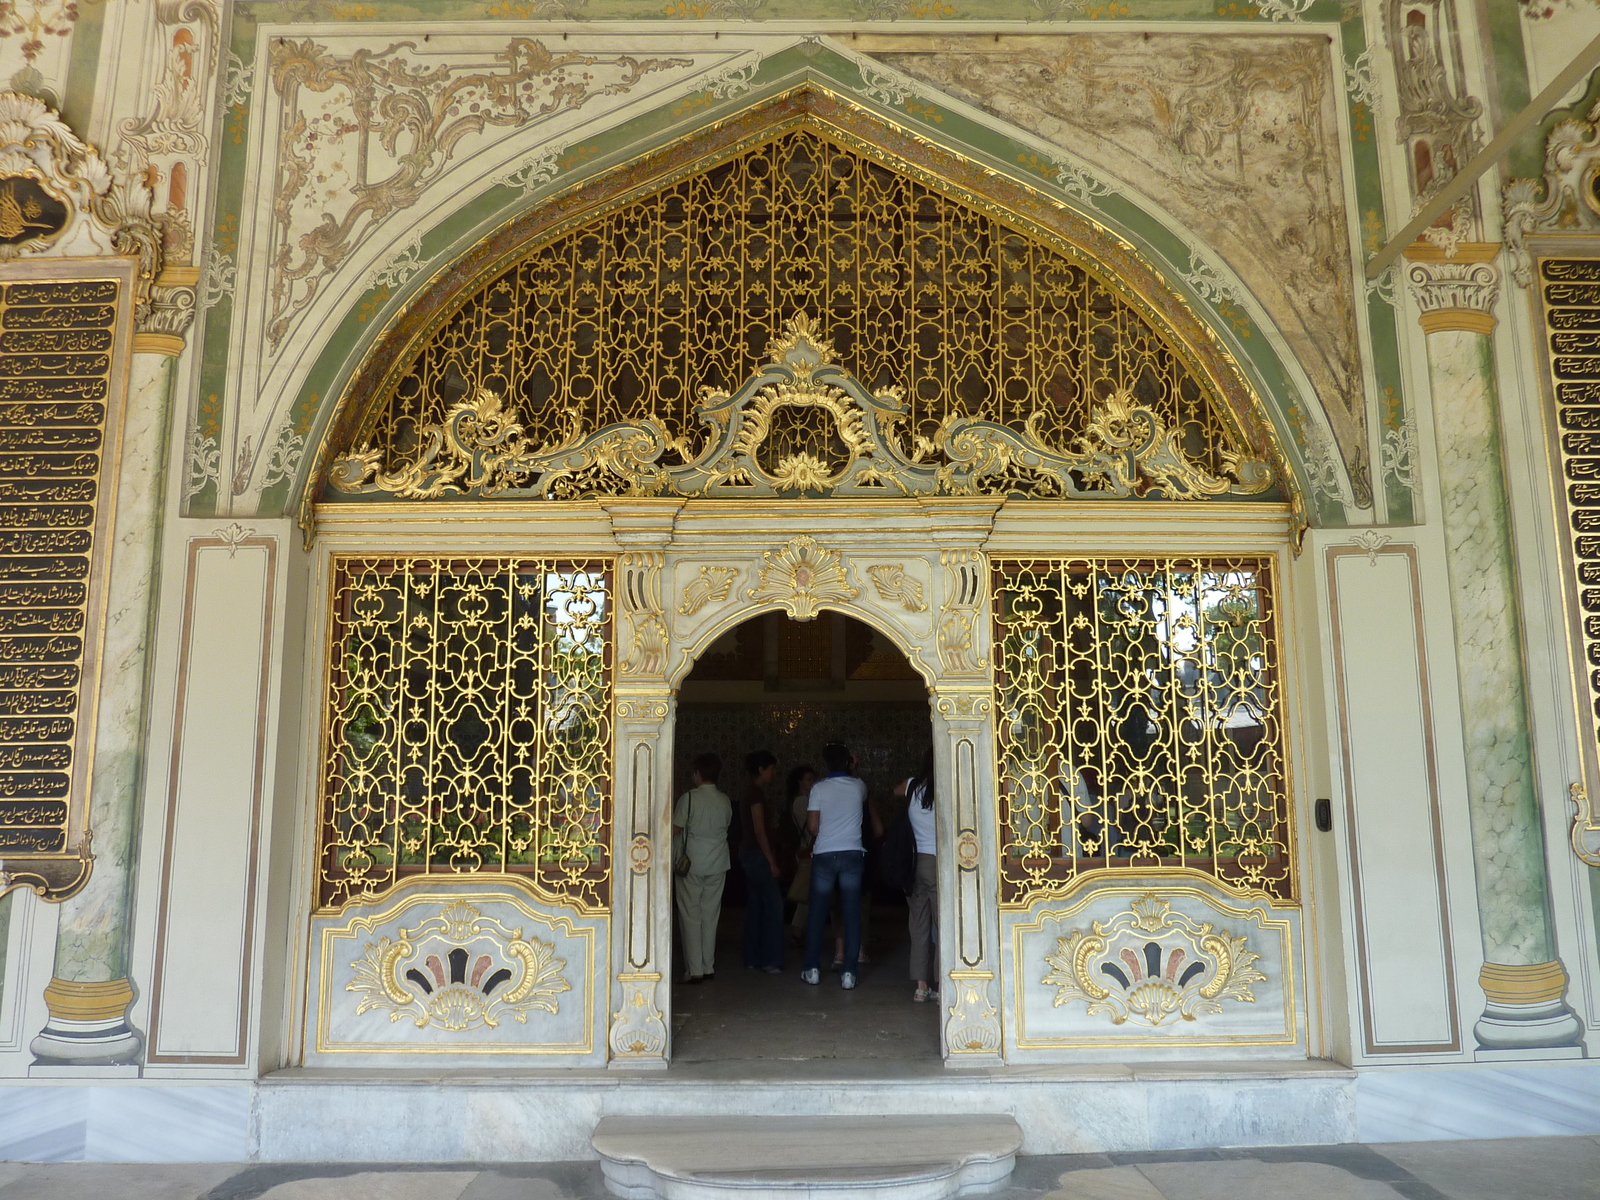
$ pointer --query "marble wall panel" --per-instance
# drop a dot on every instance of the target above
(1158, 966)
(468, 972)
(1234, 135)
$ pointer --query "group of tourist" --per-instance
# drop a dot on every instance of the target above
(816, 840)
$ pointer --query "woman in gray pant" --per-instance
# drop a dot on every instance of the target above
(924, 900)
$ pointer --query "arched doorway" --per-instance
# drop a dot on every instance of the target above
(790, 687)
(799, 376)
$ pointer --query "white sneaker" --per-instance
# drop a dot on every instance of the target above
(811, 976)
(847, 980)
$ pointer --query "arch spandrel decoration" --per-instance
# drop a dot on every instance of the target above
(916, 344)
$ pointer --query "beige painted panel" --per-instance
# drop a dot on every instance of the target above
(199, 1009)
(1404, 969)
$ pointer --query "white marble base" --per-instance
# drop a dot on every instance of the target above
(1435, 1103)
(131, 1122)
(805, 1158)
(550, 1116)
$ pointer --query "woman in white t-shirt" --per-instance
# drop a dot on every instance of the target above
(924, 899)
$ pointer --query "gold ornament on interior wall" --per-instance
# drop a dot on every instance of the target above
(895, 586)
(802, 576)
(711, 586)
(458, 970)
(984, 358)
(1149, 965)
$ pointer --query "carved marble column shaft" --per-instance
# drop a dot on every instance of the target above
(89, 997)
(1457, 293)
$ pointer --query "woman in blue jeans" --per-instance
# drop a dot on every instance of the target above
(763, 914)
(838, 859)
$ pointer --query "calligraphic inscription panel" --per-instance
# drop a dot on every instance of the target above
(469, 725)
(56, 354)
(1139, 722)
(1570, 291)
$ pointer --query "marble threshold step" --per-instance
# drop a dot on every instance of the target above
(806, 1158)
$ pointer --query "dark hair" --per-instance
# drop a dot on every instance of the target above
(924, 780)
(758, 761)
(796, 774)
(708, 766)
(837, 756)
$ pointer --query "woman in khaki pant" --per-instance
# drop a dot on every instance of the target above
(702, 816)
(924, 899)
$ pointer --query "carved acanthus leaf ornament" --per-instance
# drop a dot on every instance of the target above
(1566, 199)
(851, 447)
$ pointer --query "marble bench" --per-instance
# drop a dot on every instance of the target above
(797, 1158)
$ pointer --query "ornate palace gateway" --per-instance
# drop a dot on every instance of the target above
(419, 440)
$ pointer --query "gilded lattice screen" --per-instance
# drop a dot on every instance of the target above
(639, 315)
(1139, 721)
(468, 724)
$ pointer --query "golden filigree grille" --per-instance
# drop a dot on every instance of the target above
(627, 318)
(469, 724)
(1138, 721)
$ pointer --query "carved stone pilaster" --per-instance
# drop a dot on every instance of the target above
(1455, 291)
(639, 583)
(970, 960)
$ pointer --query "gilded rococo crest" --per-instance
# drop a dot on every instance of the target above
(1150, 965)
(800, 427)
(458, 970)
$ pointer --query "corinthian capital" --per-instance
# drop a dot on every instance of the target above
(1456, 292)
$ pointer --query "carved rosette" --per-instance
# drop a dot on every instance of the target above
(802, 576)
(1456, 293)
(638, 1028)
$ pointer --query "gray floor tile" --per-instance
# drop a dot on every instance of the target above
(1105, 1183)
(376, 1185)
(544, 1181)
(121, 1181)
(1251, 1179)
(1564, 1168)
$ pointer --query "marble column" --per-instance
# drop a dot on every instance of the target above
(1523, 981)
(88, 997)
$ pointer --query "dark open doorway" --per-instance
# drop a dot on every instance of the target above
(790, 687)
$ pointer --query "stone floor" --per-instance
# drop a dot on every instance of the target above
(747, 1015)
(1519, 1169)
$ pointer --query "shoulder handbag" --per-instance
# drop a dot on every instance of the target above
(680, 841)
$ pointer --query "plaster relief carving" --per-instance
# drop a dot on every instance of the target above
(711, 586)
(1235, 136)
(965, 581)
(1150, 965)
(641, 608)
(802, 576)
(463, 960)
(1563, 200)
(972, 1025)
(638, 1030)
(894, 586)
(364, 134)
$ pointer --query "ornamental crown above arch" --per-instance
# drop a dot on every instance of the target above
(920, 340)
(852, 448)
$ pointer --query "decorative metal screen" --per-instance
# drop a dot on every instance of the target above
(469, 724)
(630, 316)
(1138, 722)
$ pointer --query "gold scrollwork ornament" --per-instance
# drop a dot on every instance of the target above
(1585, 826)
(895, 586)
(971, 1026)
(638, 1030)
(1150, 964)
(802, 576)
(511, 975)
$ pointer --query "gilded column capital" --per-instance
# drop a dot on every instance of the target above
(1456, 291)
(166, 321)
